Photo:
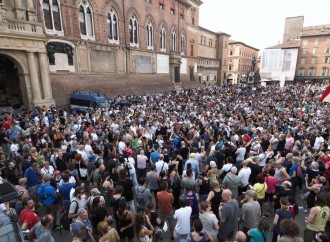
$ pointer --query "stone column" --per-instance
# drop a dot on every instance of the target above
(45, 82)
(18, 3)
(34, 76)
(29, 4)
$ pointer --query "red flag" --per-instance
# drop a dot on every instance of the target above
(326, 95)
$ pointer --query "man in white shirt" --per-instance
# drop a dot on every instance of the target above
(121, 147)
(319, 140)
(161, 165)
(88, 148)
(82, 152)
(14, 148)
(182, 215)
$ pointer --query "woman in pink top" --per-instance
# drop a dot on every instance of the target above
(289, 141)
(271, 182)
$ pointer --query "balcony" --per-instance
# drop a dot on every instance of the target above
(26, 28)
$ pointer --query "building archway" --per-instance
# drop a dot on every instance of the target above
(12, 88)
(230, 78)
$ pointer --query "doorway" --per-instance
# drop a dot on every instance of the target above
(10, 88)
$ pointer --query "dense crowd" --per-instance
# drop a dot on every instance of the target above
(215, 163)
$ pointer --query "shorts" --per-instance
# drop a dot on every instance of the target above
(269, 197)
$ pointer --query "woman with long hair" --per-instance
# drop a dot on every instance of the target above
(98, 212)
(175, 184)
(280, 214)
(107, 233)
(143, 228)
(197, 235)
(125, 222)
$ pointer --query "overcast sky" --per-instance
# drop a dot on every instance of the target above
(260, 23)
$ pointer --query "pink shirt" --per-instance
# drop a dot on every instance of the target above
(327, 172)
(288, 143)
(141, 161)
(271, 183)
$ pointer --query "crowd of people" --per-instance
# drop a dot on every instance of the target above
(215, 163)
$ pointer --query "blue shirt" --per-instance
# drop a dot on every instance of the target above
(154, 156)
(256, 235)
(47, 194)
(292, 169)
(32, 177)
(65, 191)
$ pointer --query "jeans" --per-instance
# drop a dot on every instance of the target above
(309, 235)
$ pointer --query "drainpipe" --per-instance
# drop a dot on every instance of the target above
(125, 38)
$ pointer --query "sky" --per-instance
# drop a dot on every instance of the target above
(260, 23)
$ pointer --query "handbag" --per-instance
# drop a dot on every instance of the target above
(82, 171)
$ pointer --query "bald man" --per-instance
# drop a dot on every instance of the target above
(228, 214)
(240, 237)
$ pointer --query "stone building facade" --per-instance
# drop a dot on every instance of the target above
(240, 56)
(55, 47)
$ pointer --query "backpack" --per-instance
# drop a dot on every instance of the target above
(299, 171)
(65, 221)
(141, 199)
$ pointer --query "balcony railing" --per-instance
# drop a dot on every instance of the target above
(22, 27)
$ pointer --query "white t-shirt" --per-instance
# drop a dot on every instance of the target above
(159, 165)
(244, 174)
(240, 152)
(50, 171)
(14, 149)
(121, 147)
(318, 142)
(183, 217)
(131, 162)
(88, 150)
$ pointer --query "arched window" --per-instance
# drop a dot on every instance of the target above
(86, 20)
(162, 39)
(150, 36)
(133, 31)
(325, 71)
(173, 40)
(52, 16)
(183, 44)
(113, 35)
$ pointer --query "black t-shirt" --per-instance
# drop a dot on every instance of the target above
(60, 164)
(255, 170)
(2, 138)
(184, 152)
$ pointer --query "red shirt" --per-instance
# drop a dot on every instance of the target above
(246, 139)
(29, 217)
(165, 200)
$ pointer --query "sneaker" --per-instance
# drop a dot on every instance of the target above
(305, 210)
(300, 207)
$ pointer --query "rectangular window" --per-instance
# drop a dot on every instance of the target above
(304, 52)
(316, 41)
(192, 50)
(305, 42)
(327, 50)
(172, 11)
(328, 41)
(314, 51)
(302, 61)
(311, 72)
(161, 6)
(313, 61)
(327, 60)
(301, 72)
(193, 21)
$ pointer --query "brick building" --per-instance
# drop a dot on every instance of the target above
(310, 53)
(240, 56)
(127, 47)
